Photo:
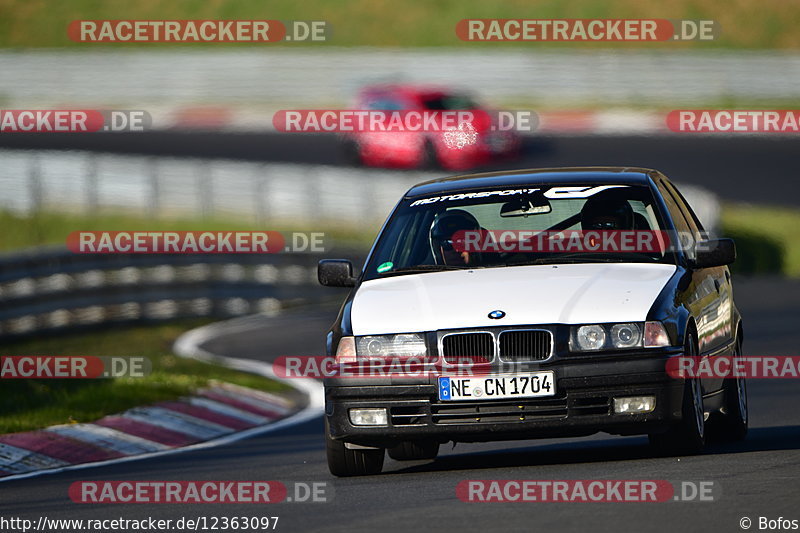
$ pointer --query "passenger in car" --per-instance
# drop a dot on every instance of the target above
(444, 227)
(607, 211)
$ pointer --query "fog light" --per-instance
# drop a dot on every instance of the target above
(368, 417)
(635, 404)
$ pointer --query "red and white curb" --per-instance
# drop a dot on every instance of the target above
(220, 414)
(618, 122)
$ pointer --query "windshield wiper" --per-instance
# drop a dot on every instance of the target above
(557, 260)
(585, 258)
(416, 269)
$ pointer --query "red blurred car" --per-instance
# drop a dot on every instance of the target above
(471, 144)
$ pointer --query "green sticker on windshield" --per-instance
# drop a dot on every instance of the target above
(385, 267)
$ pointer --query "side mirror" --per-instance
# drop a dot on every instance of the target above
(336, 273)
(714, 252)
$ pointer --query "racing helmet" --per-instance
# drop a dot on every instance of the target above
(607, 210)
(444, 226)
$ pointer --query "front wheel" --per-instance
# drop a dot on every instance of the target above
(732, 426)
(688, 437)
(344, 462)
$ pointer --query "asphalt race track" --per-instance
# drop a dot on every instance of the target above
(759, 477)
(745, 168)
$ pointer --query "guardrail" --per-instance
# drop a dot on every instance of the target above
(260, 193)
(170, 187)
(54, 289)
(315, 77)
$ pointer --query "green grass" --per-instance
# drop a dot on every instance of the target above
(20, 231)
(31, 404)
(27, 404)
(767, 238)
(746, 24)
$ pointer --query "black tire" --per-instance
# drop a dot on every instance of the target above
(732, 425)
(414, 451)
(344, 462)
(688, 437)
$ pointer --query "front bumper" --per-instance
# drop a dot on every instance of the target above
(583, 405)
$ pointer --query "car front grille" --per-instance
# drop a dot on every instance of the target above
(445, 413)
(471, 346)
(525, 345)
(422, 413)
(513, 345)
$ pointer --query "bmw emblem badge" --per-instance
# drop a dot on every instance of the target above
(497, 314)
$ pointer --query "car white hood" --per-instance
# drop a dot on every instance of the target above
(535, 294)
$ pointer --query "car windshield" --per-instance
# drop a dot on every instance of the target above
(448, 102)
(542, 224)
(385, 104)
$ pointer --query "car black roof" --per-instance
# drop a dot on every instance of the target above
(516, 178)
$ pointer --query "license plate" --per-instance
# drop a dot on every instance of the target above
(528, 385)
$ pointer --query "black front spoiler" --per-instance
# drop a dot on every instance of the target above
(582, 405)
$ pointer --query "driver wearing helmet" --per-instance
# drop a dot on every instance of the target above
(607, 211)
(443, 229)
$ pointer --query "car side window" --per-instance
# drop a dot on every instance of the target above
(385, 104)
(691, 217)
(686, 232)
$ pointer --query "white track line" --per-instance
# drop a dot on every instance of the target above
(261, 397)
(227, 410)
(24, 460)
(188, 345)
(177, 421)
(247, 400)
(109, 438)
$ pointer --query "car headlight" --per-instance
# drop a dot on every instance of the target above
(400, 345)
(588, 338)
(594, 337)
(626, 335)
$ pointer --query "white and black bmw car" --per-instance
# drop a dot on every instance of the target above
(558, 340)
